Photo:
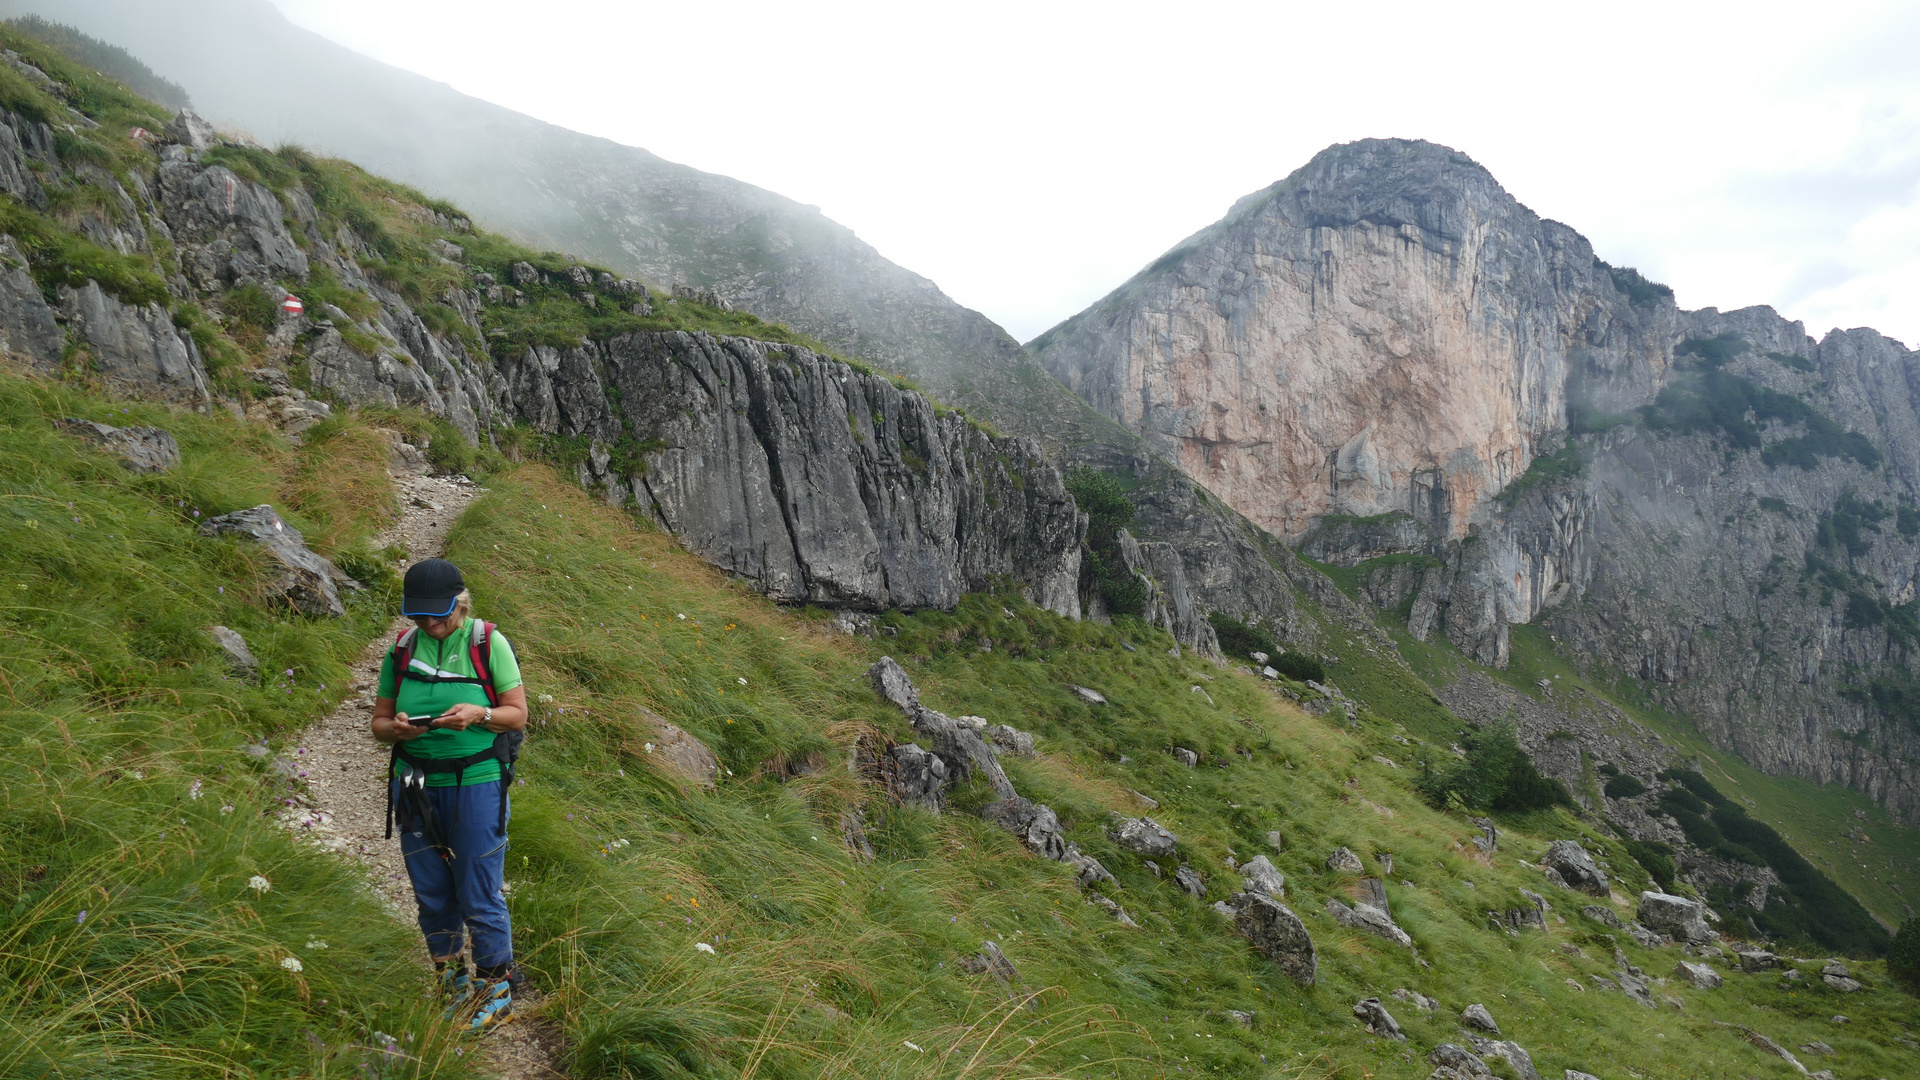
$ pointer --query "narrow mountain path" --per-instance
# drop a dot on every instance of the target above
(345, 772)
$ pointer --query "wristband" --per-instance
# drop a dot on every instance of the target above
(487, 720)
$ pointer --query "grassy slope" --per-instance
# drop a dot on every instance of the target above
(804, 934)
(132, 944)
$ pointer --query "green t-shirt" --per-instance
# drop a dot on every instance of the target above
(420, 698)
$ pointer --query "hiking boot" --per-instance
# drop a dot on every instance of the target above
(495, 1005)
(452, 983)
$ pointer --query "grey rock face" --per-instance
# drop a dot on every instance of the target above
(298, 577)
(1477, 1016)
(1170, 604)
(1278, 934)
(1576, 867)
(1370, 919)
(136, 350)
(1189, 880)
(1144, 836)
(1462, 1062)
(239, 657)
(140, 449)
(1344, 861)
(819, 483)
(1264, 878)
(27, 326)
(1601, 913)
(1377, 1019)
(189, 130)
(1508, 1051)
(1700, 975)
(229, 231)
(991, 961)
(1676, 916)
(1010, 741)
(920, 777)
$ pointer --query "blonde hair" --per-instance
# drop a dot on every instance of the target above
(462, 609)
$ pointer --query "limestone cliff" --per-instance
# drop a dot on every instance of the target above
(1386, 354)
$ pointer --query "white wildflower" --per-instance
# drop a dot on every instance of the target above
(292, 963)
(619, 842)
(546, 699)
(703, 946)
(194, 791)
(316, 944)
(259, 884)
(741, 681)
(680, 615)
(227, 809)
(649, 748)
(911, 1046)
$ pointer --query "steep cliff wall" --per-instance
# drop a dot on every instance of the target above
(1385, 330)
(1385, 354)
(821, 483)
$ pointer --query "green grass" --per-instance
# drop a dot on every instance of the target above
(130, 819)
(827, 966)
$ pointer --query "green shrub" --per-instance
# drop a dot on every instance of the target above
(1639, 290)
(1567, 463)
(1299, 667)
(1103, 498)
(1657, 859)
(1496, 775)
(1624, 787)
(1903, 956)
(1717, 403)
(1237, 639)
(1713, 351)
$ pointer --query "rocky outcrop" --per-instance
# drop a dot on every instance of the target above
(670, 749)
(139, 449)
(28, 330)
(1575, 868)
(1169, 603)
(231, 231)
(135, 350)
(295, 575)
(1676, 916)
(817, 482)
(1144, 836)
(1278, 934)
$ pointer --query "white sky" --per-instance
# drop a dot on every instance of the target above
(1030, 156)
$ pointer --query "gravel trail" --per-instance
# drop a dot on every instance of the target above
(345, 770)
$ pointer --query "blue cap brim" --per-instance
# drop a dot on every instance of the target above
(413, 607)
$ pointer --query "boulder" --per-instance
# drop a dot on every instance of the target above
(27, 326)
(295, 575)
(1373, 892)
(1262, 877)
(140, 449)
(136, 350)
(991, 961)
(1842, 983)
(1420, 1001)
(1278, 934)
(189, 130)
(1645, 938)
(1033, 822)
(1187, 878)
(1756, 959)
(1462, 1062)
(1835, 967)
(1700, 975)
(1602, 914)
(1091, 697)
(239, 657)
(1635, 987)
(1576, 1074)
(1144, 836)
(672, 751)
(1369, 918)
(1377, 1019)
(916, 777)
(1010, 741)
(1676, 916)
(1477, 1016)
(1119, 913)
(1576, 867)
(1507, 1051)
(1344, 861)
(1489, 839)
(1185, 756)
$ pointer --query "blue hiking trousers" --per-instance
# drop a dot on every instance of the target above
(460, 898)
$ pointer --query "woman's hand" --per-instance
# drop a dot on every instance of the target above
(461, 717)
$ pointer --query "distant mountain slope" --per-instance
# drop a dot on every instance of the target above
(550, 187)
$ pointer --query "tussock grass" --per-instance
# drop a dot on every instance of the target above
(131, 818)
(826, 965)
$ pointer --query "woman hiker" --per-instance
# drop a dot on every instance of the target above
(451, 704)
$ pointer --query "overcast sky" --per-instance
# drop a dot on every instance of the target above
(1030, 156)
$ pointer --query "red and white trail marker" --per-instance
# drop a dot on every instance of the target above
(292, 305)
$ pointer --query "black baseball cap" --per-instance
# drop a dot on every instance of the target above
(430, 588)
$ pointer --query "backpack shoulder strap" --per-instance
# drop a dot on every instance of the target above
(402, 653)
(480, 653)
